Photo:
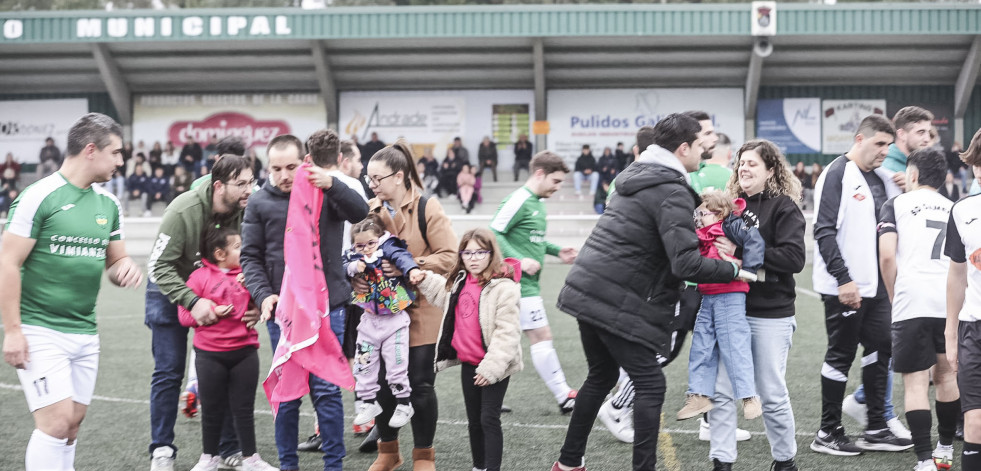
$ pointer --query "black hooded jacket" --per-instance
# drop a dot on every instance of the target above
(628, 276)
(781, 224)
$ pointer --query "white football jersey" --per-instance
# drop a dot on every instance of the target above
(964, 246)
(919, 219)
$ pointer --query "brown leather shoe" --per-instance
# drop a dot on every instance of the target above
(424, 459)
(389, 458)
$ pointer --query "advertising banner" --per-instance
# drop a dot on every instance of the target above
(601, 118)
(841, 120)
(25, 124)
(793, 124)
(257, 118)
(430, 120)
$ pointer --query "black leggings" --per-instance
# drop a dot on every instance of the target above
(227, 382)
(484, 419)
(422, 376)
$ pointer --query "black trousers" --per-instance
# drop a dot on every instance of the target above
(870, 326)
(226, 384)
(484, 419)
(606, 354)
(422, 376)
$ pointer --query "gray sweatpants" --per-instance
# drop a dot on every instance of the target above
(382, 339)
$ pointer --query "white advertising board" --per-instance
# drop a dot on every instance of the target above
(25, 124)
(601, 118)
(841, 120)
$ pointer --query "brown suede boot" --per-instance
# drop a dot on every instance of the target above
(389, 458)
(424, 459)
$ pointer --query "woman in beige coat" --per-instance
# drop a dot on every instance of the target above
(480, 331)
(391, 174)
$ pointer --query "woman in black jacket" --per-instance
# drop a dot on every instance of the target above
(764, 179)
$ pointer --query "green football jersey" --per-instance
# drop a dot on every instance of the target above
(72, 228)
(520, 226)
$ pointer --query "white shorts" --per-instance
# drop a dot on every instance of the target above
(533, 313)
(61, 366)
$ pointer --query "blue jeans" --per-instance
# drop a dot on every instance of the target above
(721, 331)
(274, 333)
(890, 409)
(329, 407)
(772, 339)
(169, 347)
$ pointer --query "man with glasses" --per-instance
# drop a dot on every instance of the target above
(174, 256)
(520, 226)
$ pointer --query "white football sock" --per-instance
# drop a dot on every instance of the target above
(45, 453)
(546, 362)
(69, 457)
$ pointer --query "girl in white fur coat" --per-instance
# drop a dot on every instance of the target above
(480, 331)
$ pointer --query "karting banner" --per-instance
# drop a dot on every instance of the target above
(793, 124)
(429, 120)
(841, 120)
(601, 118)
(257, 118)
(24, 125)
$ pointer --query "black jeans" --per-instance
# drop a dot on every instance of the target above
(227, 382)
(484, 419)
(422, 376)
(606, 354)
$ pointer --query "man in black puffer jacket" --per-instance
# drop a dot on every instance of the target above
(625, 284)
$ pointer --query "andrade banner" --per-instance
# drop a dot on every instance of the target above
(25, 124)
(793, 124)
(601, 118)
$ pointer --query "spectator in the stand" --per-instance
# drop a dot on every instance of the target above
(522, 155)
(157, 190)
(430, 180)
(10, 163)
(136, 186)
(448, 173)
(169, 158)
(9, 175)
(155, 157)
(606, 168)
(957, 166)
(228, 145)
(369, 149)
(487, 154)
(462, 154)
(465, 182)
(141, 148)
(127, 152)
(432, 166)
(950, 189)
(623, 157)
(816, 170)
(138, 161)
(256, 162)
(210, 155)
(191, 154)
(182, 180)
(806, 184)
(49, 160)
(585, 169)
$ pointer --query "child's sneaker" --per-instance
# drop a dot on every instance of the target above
(403, 412)
(255, 463)
(207, 463)
(752, 408)
(943, 456)
(569, 402)
(367, 412)
(363, 429)
(695, 405)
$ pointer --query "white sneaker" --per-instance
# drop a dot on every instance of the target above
(943, 456)
(898, 429)
(255, 463)
(618, 421)
(162, 459)
(207, 463)
(925, 465)
(367, 412)
(705, 432)
(232, 462)
(401, 416)
(857, 411)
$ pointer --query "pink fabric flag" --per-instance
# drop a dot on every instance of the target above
(308, 345)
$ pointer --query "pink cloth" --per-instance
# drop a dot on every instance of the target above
(229, 333)
(468, 340)
(308, 345)
(706, 240)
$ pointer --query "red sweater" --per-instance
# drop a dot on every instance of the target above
(229, 333)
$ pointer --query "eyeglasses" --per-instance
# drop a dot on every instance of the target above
(704, 212)
(377, 180)
(474, 254)
(243, 183)
(367, 245)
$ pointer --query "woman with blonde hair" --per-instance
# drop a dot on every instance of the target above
(765, 180)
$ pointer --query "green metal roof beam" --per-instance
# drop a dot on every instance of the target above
(506, 21)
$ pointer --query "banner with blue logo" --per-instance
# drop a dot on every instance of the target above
(793, 124)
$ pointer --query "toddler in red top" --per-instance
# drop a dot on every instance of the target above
(721, 329)
(227, 358)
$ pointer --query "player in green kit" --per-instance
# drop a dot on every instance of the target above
(520, 225)
(62, 232)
